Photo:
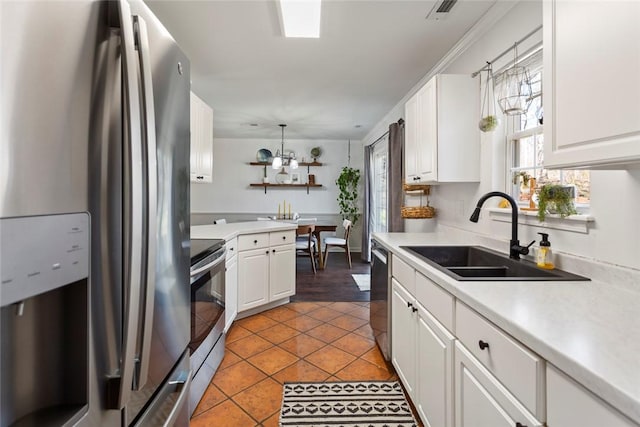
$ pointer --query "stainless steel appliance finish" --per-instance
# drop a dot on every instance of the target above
(44, 268)
(45, 103)
(207, 313)
(96, 118)
(380, 306)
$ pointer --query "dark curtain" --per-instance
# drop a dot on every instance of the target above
(366, 209)
(395, 195)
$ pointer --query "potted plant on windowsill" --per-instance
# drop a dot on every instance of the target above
(555, 199)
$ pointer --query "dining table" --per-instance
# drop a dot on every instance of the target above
(320, 227)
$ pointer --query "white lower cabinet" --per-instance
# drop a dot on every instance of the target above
(569, 404)
(267, 273)
(282, 272)
(481, 400)
(403, 336)
(434, 397)
(477, 375)
(253, 278)
(422, 353)
(231, 290)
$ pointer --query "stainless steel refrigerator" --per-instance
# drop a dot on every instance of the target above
(95, 118)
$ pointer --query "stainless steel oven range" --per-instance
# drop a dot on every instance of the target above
(207, 313)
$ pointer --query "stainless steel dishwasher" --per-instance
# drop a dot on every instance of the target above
(380, 306)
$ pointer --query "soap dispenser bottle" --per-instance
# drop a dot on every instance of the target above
(544, 258)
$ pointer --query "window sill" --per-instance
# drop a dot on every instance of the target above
(575, 223)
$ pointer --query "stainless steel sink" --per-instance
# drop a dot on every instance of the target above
(476, 263)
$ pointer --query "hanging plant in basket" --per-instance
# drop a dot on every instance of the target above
(347, 183)
(489, 119)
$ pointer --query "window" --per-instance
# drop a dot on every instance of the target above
(379, 187)
(526, 151)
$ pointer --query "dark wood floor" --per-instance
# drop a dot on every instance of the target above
(334, 283)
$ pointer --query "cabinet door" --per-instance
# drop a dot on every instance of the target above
(481, 400)
(435, 371)
(403, 336)
(591, 83)
(412, 120)
(282, 272)
(427, 158)
(569, 404)
(201, 140)
(253, 278)
(231, 292)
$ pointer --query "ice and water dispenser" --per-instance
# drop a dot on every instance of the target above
(44, 320)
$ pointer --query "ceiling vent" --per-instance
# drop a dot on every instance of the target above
(441, 9)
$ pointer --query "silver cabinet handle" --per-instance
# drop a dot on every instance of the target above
(149, 125)
(133, 203)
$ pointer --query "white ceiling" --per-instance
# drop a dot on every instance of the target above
(369, 55)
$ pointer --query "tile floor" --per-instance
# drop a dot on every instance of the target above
(300, 341)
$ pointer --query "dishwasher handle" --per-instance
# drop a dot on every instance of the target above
(377, 251)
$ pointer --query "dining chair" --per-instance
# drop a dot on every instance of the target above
(305, 243)
(339, 242)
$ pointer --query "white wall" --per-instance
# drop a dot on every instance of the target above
(614, 237)
(230, 191)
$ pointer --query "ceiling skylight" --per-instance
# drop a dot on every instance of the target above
(300, 18)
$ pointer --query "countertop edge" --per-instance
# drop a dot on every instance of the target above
(234, 229)
(596, 384)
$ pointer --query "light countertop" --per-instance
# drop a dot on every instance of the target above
(590, 330)
(233, 229)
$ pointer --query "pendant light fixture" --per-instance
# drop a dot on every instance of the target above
(280, 159)
(514, 95)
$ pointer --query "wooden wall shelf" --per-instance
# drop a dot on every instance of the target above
(307, 186)
(267, 164)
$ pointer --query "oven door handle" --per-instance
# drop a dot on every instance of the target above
(211, 265)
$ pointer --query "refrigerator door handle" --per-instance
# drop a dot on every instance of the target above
(149, 131)
(133, 202)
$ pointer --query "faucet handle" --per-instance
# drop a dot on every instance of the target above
(524, 250)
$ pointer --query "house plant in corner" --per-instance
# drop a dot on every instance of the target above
(556, 199)
(347, 183)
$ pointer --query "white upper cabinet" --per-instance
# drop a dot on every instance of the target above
(591, 83)
(201, 140)
(442, 140)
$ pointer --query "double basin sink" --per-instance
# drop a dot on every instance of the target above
(476, 263)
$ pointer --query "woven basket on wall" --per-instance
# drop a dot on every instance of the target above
(417, 212)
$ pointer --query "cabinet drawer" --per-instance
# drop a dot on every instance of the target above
(519, 370)
(570, 404)
(253, 241)
(232, 248)
(481, 400)
(436, 300)
(404, 273)
(282, 237)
